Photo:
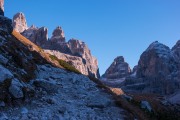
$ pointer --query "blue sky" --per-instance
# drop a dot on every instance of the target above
(110, 28)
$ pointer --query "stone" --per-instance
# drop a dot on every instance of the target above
(58, 35)
(157, 71)
(74, 51)
(2, 7)
(24, 110)
(5, 74)
(154, 61)
(16, 89)
(19, 22)
(5, 24)
(79, 48)
(30, 33)
(118, 69)
(2, 104)
(47, 85)
(146, 105)
(3, 60)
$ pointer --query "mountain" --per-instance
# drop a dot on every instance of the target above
(37, 85)
(157, 71)
(79, 54)
(118, 69)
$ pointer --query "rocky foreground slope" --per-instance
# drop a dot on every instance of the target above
(80, 55)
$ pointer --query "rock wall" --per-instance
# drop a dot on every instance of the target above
(19, 22)
(157, 71)
(118, 69)
(77, 51)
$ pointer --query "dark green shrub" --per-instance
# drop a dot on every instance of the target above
(65, 65)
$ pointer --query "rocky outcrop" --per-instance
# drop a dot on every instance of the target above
(75, 61)
(19, 22)
(30, 33)
(58, 35)
(79, 48)
(77, 51)
(6, 24)
(157, 71)
(118, 69)
(2, 7)
(155, 61)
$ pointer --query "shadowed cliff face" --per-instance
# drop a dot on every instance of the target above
(81, 57)
(157, 71)
(118, 69)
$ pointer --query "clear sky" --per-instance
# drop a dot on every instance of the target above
(110, 28)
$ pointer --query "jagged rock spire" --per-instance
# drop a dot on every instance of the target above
(2, 7)
(19, 22)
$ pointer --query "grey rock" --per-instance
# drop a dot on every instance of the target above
(16, 89)
(24, 110)
(47, 85)
(74, 51)
(118, 69)
(2, 104)
(146, 105)
(5, 74)
(3, 116)
(19, 22)
(3, 60)
(58, 35)
(5, 24)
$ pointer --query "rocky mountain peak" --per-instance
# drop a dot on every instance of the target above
(58, 35)
(119, 59)
(118, 69)
(19, 22)
(2, 7)
(176, 52)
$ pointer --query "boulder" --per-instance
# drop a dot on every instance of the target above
(5, 74)
(58, 35)
(15, 89)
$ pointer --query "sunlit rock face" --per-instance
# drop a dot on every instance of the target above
(74, 51)
(79, 48)
(2, 7)
(58, 35)
(19, 22)
(118, 69)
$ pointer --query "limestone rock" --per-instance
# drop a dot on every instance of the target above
(30, 33)
(118, 69)
(155, 61)
(157, 70)
(2, 7)
(19, 22)
(58, 35)
(79, 54)
(79, 48)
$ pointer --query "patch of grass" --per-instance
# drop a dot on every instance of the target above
(64, 64)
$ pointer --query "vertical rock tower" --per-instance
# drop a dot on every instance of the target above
(19, 22)
(2, 7)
